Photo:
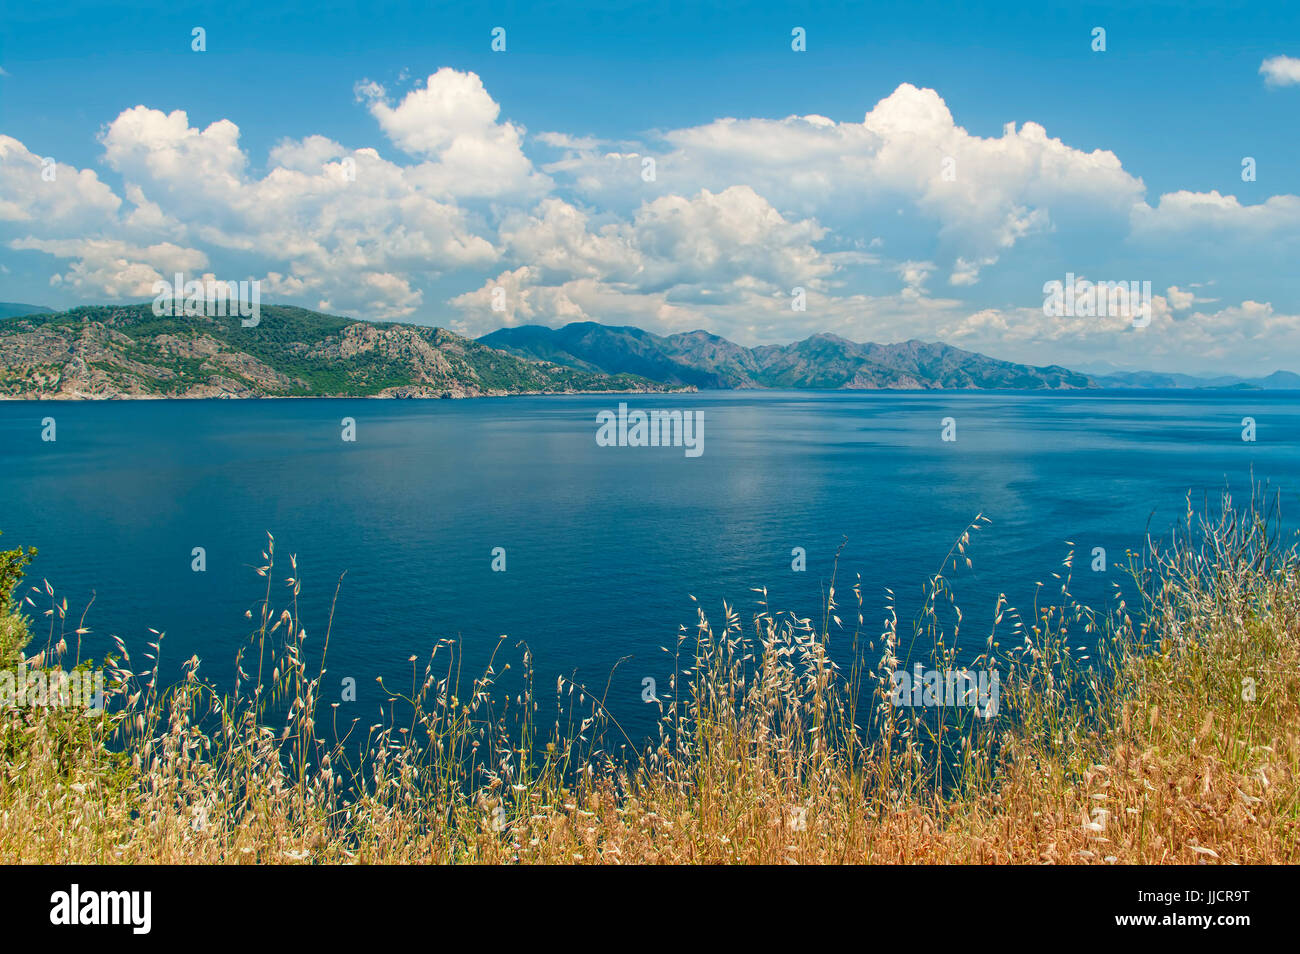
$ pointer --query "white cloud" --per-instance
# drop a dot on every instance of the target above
(148, 145)
(1280, 71)
(1180, 300)
(559, 140)
(967, 272)
(982, 194)
(683, 257)
(115, 268)
(73, 200)
(914, 276)
(739, 212)
(1202, 213)
(324, 223)
(558, 237)
(1251, 337)
(452, 121)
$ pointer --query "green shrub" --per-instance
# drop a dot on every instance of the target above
(13, 628)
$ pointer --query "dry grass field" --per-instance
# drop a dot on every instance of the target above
(1161, 730)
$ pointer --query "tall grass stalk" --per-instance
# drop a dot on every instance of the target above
(1164, 731)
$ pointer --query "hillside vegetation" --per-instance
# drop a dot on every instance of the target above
(127, 351)
(823, 361)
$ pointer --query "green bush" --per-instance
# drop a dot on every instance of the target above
(13, 628)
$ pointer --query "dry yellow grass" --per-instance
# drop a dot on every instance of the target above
(1148, 748)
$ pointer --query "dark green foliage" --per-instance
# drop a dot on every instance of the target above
(12, 564)
(13, 629)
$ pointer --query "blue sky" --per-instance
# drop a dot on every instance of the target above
(521, 170)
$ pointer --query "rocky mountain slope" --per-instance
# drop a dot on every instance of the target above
(822, 361)
(125, 351)
(128, 352)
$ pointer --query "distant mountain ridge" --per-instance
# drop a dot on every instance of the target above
(1277, 381)
(11, 309)
(126, 351)
(705, 360)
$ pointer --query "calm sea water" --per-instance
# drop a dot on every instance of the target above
(604, 546)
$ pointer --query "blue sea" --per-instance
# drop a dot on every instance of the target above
(604, 547)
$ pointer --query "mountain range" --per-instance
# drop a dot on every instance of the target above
(126, 351)
(9, 309)
(1277, 381)
(704, 360)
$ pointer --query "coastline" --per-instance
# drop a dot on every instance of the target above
(457, 395)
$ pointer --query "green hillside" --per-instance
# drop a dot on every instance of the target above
(127, 351)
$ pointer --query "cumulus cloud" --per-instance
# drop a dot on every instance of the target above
(745, 312)
(1202, 212)
(324, 224)
(452, 121)
(894, 226)
(47, 197)
(1179, 300)
(1250, 249)
(982, 194)
(674, 256)
(1280, 71)
(114, 268)
(1250, 337)
(560, 140)
(162, 148)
